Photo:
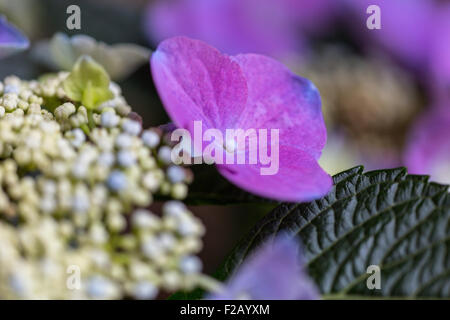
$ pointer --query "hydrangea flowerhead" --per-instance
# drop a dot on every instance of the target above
(76, 185)
(11, 39)
(274, 272)
(196, 82)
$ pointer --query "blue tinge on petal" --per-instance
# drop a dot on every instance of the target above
(11, 39)
(274, 272)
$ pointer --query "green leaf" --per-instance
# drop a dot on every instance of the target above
(387, 218)
(88, 83)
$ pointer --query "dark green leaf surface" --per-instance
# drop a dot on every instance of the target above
(387, 218)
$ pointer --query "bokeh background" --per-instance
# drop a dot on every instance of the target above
(385, 93)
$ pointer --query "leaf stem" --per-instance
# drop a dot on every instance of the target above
(210, 284)
(91, 122)
(85, 129)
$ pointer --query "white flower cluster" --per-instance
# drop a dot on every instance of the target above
(74, 188)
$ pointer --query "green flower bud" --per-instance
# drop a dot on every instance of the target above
(88, 83)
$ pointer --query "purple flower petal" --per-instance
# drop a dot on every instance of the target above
(233, 26)
(11, 40)
(198, 83)
(428, 151)
(279, 99)
(273, 272)
(299, 177)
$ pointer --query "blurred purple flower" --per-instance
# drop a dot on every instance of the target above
(406, 27)
(440, 51)
(198, 83)
(11, 39)
(233, 26)
(428, 151)
(315, 16)
(416, 33)
(274, 272)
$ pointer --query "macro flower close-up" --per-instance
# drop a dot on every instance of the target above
(248, 92)
(230, 157)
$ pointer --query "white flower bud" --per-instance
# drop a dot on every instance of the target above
(109, 119)
(150, 138)
(190, 264)
(144, 290)
(132, 127)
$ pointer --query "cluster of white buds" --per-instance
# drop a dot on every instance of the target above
(75, 188)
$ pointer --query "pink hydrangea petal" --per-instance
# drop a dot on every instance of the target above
(299, 178)
(196, 82)
(275, 271)
(279, 99)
